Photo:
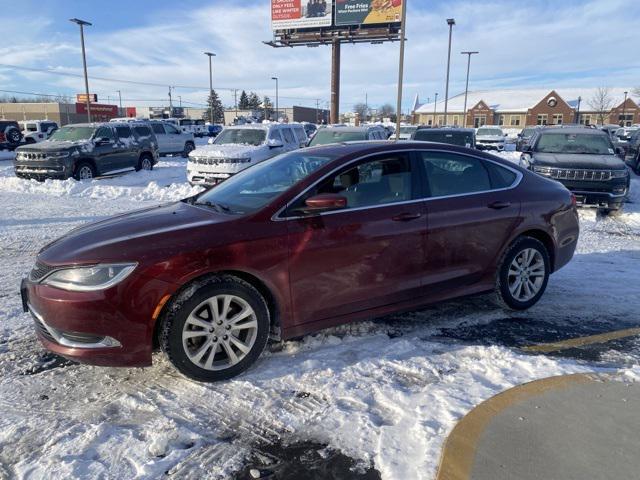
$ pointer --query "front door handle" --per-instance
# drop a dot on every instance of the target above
(406, 217)
(499, 205)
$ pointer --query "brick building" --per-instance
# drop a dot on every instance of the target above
(526, 107)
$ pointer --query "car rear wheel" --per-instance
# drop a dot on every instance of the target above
(84, 171)
(13, 135)
(217, 332)
(522, 274)
(145, 163)
(188, 148)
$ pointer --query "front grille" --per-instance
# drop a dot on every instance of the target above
(218, 161)
(40, 270)
(576, 174)
(42, 330)
(32, 156)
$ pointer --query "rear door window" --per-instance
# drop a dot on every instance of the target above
(123, 132)
(105, 132)
(142, 131)
(157, 129)
(287, 133)
(171, 129)
(300, 134)
(451, 174)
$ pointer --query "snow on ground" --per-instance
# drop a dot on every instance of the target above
(385, 392)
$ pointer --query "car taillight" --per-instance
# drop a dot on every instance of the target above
(574, 202)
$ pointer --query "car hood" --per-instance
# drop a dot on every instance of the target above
(226, 151)
(135, 236)
(573, 160)
(490, 137)
(55, 145)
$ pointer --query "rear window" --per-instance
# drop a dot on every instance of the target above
(452, 138)
(123, 132)
(157, 128)
(500, 176)
(142, 131)
(336, 135)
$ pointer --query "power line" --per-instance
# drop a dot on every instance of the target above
(131, 82)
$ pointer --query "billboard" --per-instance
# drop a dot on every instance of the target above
(368, 12)
(98, 110)
(290, 14)
(82, 97)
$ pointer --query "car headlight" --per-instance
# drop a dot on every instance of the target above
(87, 279)
(619, 173)
(546, 171)
(57, 154)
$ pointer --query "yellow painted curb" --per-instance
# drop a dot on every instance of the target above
(458, 453)
(582, 341)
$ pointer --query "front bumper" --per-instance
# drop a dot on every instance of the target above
(112, 327)
(598, 194)
(43, 170)
(490, 145)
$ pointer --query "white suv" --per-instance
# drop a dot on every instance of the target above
(171, 140)
(240, 147)
(35, 131)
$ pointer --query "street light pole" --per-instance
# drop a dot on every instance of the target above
(82, 23)
(401, 69)
(578, 110)
(451, 22)
(276, 79)
(210, 54)
(120, 99)
(466, 88)
(435, 104)
(624, 110)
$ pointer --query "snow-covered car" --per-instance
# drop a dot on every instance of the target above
(172, 141)
(490, 138)
(35, 131)
(86, 150)
(339, 134)
(240, 147)
(406, 131)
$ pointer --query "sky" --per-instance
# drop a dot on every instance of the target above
(538, 43)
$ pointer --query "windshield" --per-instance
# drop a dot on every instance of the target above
(408, 129)
(30, 127)
(241, 136)
(527, 132)
(453, 138)
(72, 134)
(186, 122)
(574, 143)
(255, 187)
(336, 135)
(490, 131)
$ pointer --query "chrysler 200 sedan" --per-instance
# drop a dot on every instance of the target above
(303, 241)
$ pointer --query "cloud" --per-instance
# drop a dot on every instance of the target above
(537, 43)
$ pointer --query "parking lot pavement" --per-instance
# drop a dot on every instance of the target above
(570, 427)
(377, 397)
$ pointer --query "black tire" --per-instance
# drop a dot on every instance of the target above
(188, 147)
(13, 136)
(145, 162)
(173, 323)
(503, 295)
(82, 171)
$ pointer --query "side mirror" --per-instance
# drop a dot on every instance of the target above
(324, 202)
(103, 141)
(272, 143)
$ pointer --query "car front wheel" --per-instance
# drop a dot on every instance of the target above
(522, 274)
(188, 148)
(218, 331)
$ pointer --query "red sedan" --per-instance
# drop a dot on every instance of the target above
(303, 241)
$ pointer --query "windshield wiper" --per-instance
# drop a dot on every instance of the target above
(218, 207)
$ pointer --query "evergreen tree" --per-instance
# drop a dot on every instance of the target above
(244, 101)
(254, 101)
(218, 110)
(267, 106)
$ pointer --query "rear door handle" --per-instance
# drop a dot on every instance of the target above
(499, 205)
(406, 217)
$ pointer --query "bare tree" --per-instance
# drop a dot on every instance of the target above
(601, 102)
(362, 110)
(636, 92)
(387, 111)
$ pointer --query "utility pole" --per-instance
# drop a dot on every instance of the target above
(366, 105)
(624, 110)
(82, 24)
(277, 107)
(318, 110)
(235, 97)
(170, 103)
(435, 104)
(578, 110)
(451, 22)
(210, 54)
(335, 81)
(120, 98)
(403, 25)
(466, 88)
(180, 100)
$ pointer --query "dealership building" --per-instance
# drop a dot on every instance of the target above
(518, 108)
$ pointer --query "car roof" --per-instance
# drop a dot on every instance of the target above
(572, 130)
(362, 128)
(447, 129)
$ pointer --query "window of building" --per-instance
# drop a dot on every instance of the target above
(430, 122)
(440, 119)
(625, 120)
(501, 120)
(515, 120)
(542, 119)
(585, 120)
(557, 119)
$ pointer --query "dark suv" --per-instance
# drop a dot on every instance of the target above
(632, 152)
(10, 134)
(584, 160)
(87, 150)
(463, 137)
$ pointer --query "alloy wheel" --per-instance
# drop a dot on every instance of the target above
(146, 164)
(219, 332)
(526, 274)
(85, 172)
